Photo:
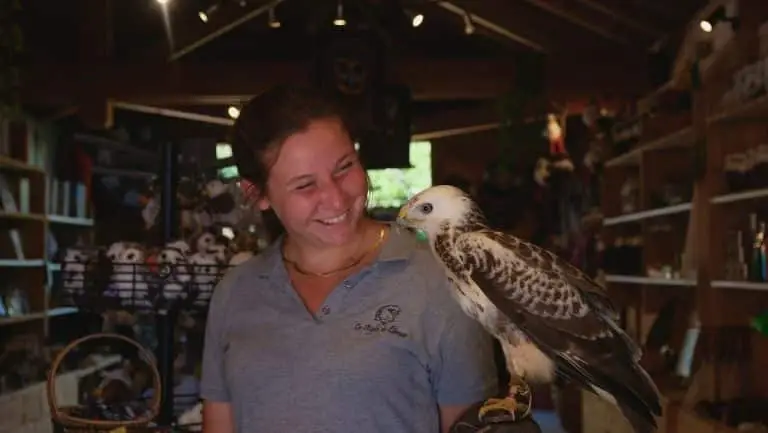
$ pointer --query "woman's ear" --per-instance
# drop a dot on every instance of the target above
(254, 194)
(263, 203)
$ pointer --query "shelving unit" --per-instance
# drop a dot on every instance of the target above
(690, 238)
(23, 168)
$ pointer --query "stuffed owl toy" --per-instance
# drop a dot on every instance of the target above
(172, 263)
(129, 277)
(205, 274)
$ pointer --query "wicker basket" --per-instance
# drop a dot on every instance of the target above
(62, 416)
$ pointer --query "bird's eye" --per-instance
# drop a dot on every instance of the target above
(426, 208)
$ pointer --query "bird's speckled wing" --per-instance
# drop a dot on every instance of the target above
(594, 294)
(540, 284)
(547, 302)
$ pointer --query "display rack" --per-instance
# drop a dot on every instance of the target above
(668, 262)
(92, 280)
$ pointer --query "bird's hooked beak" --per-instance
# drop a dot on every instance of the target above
(402, 218)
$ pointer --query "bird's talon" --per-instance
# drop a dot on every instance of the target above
(502, 410)
(514, 407)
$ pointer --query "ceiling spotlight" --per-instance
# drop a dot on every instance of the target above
(706, 26)
(416, 18)
(233, 112)
(162, 2)
(205, 15)
(469, 27)
(339, 21)
(273, 22)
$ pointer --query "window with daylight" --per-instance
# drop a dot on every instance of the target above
(224, 152)
(392, 187)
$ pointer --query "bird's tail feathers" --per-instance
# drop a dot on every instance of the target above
(640, 422)
(637, 398)
(636, 395)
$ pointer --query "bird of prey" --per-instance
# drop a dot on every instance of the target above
(552, 320)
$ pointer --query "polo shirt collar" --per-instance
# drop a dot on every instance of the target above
(399, 246)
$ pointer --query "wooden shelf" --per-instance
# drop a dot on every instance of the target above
(53, 312)
(23, 263)
(740, 196)
(756, 109)
(115, 145)
(33, 273)
(22, 216)
(680, 138)
(702, 238)
(120, 172)
(649, 281)
(8, 163)
(740, 285)
(647, 214)
(68, 220)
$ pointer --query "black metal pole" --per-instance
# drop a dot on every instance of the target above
(166, 319)
(170, 177)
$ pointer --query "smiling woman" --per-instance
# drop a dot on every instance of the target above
(341, 324)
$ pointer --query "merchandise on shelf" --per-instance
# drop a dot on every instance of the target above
(747, 170)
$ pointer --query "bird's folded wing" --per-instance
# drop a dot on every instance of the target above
(538, 294)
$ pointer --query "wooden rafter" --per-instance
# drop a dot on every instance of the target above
(559, 11)
(492, 26)
(194, 35)
(226, 28)
(220, 83)
(622, 17)
(670, 9)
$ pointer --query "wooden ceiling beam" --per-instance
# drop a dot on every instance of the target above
(219, 84)
(582, 19)
(187, 36)
(520, 18)
(667, 9)
(493, 27)
(623, 17)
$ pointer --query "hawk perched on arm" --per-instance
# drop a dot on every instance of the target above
(553, 320)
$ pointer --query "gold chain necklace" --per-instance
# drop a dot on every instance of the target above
(298, 268)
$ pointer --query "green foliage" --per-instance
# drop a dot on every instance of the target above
(392, 187)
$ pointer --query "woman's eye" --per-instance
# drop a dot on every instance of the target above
(304, 186)
(344, 168)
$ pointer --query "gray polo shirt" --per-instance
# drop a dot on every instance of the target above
(388, 346)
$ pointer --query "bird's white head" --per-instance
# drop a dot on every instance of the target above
(431, 210)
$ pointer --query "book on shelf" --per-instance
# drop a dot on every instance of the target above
(7, 201)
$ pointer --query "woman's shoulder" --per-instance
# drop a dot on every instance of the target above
(404, 245)
(426, 277)
(242, 275)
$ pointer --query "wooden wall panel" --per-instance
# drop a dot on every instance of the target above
(466, 155)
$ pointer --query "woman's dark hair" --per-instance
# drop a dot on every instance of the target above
(266, 121)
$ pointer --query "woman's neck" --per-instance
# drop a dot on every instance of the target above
(320, 259)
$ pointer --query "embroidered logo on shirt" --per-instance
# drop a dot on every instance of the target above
(384, 318)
